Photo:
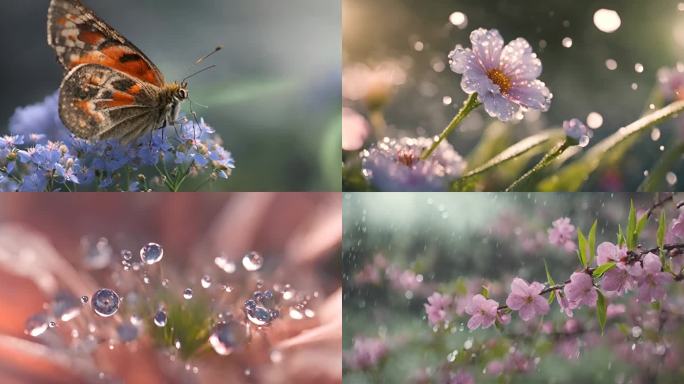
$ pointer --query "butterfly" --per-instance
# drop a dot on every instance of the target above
(111, 89)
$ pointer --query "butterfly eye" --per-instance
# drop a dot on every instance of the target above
(182, 93)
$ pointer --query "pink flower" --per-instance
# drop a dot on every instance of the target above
(562, 234)
(366, 353)
(580, 290)
(677, 261)
(438, 308)
(483, 312)
(617, 280)
(526, 299)
(652, 282)
(608, 252)
(563, 303)
(676, 230)
(495, 368)
(615, 310)
(671, 81)
(355, 130)
(461, 377)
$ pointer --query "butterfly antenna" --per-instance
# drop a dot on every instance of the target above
(201, 59)
(198, 72)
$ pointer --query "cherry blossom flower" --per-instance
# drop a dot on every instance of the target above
(652, 282)
(562, 234)
(355, 130)
(483, 312)
(395, 165)
(366, 353)
(526, 299)
(438, 308)
(564, 304)
(580, 290)
(461, 377)
(676, 230)
(505, 78)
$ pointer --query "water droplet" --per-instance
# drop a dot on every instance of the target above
(259, 309)
(638, 68)
(160, 318)
(296, 314)
(165, 282)
(468, 344)
(248, 372)
(52, 324)
(206, 281)
(634, 86)
(584, 140)
(65, 306)
(655, 134)
(446, 100)
(276, 356)
(187, 294)
(151, 253)
(98, 255)
(84, 299)
(126, 254)
(225, 337)
(611, 64)
(418, 46)
(594, 120)
(671, 178)
(662, 148)
(288, 292)
(607, 20)
(127, 332)
(105, 302)
(37, 324)
(451, 357)
(252, 261)
(458, 19)
(146, 279)
(567, 42)
(177, 344)
(225, 264)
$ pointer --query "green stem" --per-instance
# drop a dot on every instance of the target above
(550, 156)
(468, 106)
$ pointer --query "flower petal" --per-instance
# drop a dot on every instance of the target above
(531, 94)
(487, 45)
(498, 106)
(519, 62)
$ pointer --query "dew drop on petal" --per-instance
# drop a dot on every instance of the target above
(252, 261)
(37, 324)
(105, 302)
(458, 19)
(225, 337)
(567, 42)
(151, 253)
(594, 120)
(611, 64)
(206, 281)
(187, 294)
(607, 20)
(126, 254)
(160, 318)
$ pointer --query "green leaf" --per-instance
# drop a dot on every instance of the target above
(549, 279)
(514, 151)
(601, 310)
(485, 292)
(640, 226)
(592, 242)
(603, 268)
(551, 297)
(655, 181)
(582, 243)
(631, 226)
(571, 177)
(662, 225)
(620, 237)
(548, 158)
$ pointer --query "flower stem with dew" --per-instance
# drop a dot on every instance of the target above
(550, 156)
(468, 106)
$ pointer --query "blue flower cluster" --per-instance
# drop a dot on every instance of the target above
(40, 154)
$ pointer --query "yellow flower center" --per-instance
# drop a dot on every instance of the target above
(499, 78)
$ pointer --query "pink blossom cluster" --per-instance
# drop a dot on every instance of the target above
(366, 353)
(562, 234)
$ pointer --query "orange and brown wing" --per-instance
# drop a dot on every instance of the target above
(79, 37)
(98, 102)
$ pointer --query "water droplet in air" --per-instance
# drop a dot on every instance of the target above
(594, 120)
(105, 302)
(206, 281)
(65, 306)
(638, 68)
(151, 253)
(225, 337)
(458, 19)
(223, 263)
(655, 134)
(611, 64)
(187, 294)
(567, 42)
(671, 178)
(37, 324)
(252, 261)
(607, 20)
(126, 254)
(160, 318)
(84, 299)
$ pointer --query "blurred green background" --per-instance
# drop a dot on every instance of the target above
(274, 97)
(651, 34)
(494, 236)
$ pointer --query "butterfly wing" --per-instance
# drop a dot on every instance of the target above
(99, 102)
(79, 37)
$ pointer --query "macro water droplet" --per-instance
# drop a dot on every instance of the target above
(226, 265)
(451, 357)
(655, 134)
(567, 42)
(611, 64)
(37, 324)
(146, 279)
(126, 254)
(671, 178)
(105, 302)
(177, 344)
(226, 336)
(151, 253)
(187, 294)
(52, 324)
(259, 309)
(65, 306)
(252, 261)
(584, 141)
(127, 332)
(160, 318)
(638, 68)
(206, 281)
(84, 299)
(458, 19)
(607, 20)
(594, 120)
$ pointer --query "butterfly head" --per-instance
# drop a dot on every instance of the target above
(179, 91)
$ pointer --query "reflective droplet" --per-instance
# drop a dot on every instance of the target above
(98, 255)
(638, 68)
(607, 20)
(458, 19)
(37, 324)
(187, 294)
(127, 332)
(611, 64)
(671, 178)
(65, 306)
(260, 308)
(52, 324)
(160, 318)
(446, 100)
(225, 337)
(451, 357)
(225, 264)
(584, 141)
(105, 302)
(84, 299)
(206, 281)
(594, 120)
(567, 42)
(252, 261)
(151, 253)
(655, 134)
(126, 254)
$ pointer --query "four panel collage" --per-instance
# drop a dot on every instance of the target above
(372, 191)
